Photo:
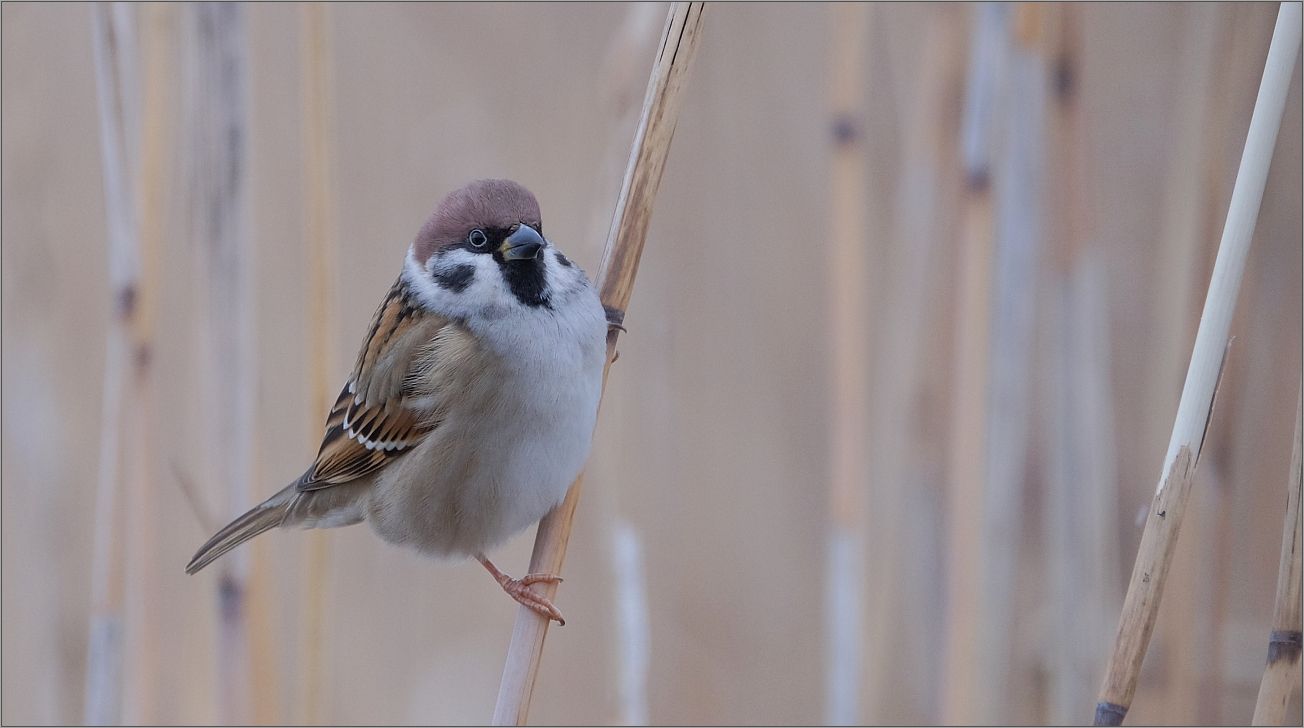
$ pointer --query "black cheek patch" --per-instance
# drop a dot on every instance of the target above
(455, 279)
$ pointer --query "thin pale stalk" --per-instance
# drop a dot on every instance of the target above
(1079, 537)
(1281, 675)
(141, 600)
(1018, 181)
(848, 336)
(216, 105)
(320, 241)
(115, 48)
(1079, 529)
(634, 624)
(967, 455)
(1154, 555)
(901, 651)
(625, 241)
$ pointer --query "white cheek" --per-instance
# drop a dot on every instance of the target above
(485, 295)
(563, 278)
(488, 294)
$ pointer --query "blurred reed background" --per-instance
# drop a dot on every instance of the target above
(959, 377)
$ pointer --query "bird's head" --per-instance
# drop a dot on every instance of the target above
(484, 247)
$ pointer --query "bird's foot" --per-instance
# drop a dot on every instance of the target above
(519, 589)
(615, 319)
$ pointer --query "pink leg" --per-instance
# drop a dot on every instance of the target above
(519, 589)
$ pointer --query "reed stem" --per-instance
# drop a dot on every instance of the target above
(141, 599)
(1163, 522)
(849, 318)
(625, 241)
(967, 456)
(115, 48)
(1282, 673)
(217, 119)
(320, 241)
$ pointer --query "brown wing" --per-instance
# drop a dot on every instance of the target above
(378, 416)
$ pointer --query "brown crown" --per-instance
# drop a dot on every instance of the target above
(484, 203)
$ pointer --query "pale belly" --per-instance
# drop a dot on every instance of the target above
(494, 466)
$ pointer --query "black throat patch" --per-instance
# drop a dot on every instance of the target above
(525, 279)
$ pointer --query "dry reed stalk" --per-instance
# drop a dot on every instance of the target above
(1082, 564)
(1155, 553)
(1018, 177)
(1281, 675)
(616, 275)
(216, 104)
(848, 326)
(115, 49)
(264, 642)
(633, 626)
(1080, 558)
(141, 599)
(320, 240)
(1060, 45)
(903, 523)
(966, 462)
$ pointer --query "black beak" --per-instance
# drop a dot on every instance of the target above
(523, 244)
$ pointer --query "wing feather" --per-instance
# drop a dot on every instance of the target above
(375, 418)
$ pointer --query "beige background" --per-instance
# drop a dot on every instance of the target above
(713, 438)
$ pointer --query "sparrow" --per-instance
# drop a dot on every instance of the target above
(472, 404)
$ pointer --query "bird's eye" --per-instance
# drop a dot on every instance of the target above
(477, 238)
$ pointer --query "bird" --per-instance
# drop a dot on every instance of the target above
(472, 403)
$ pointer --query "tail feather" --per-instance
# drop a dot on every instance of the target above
(263, 517)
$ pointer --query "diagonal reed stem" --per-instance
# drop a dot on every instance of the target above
(620, 260)
(1158, 541)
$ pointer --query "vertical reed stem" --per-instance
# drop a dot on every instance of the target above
(1018, 178)
(320, 234)
(115, 49)
(216, 105)
(849, 318)
(967, 456)
(141, 607)
(1163, 522)
(1282, 673)
(903, 523)
(1079, 533)
(616, 276)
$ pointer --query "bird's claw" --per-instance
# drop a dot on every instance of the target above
(615, 319)
(519, 589)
